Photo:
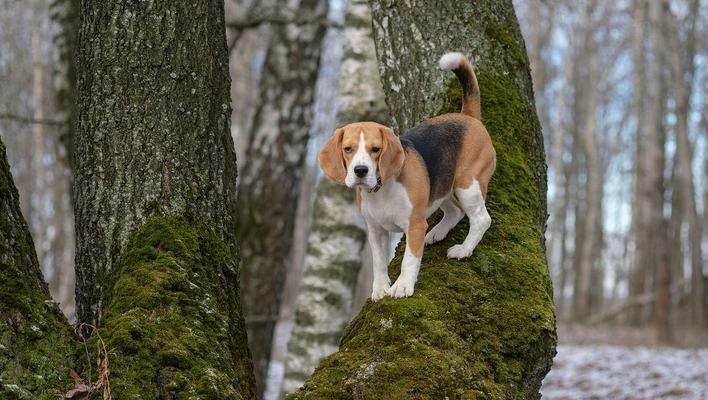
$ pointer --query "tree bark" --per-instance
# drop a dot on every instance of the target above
(682, 66)
(481, 327)
(155, 199)
(653, 237)
(272, 173)
(334, 251)
(637, 281)
(36, 344)
(593, 186)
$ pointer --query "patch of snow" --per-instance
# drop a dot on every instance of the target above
(386, 324)
(618, 372)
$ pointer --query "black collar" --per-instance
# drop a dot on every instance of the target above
(377, 187)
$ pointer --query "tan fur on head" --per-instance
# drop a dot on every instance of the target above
(392, 155)
(331, 158)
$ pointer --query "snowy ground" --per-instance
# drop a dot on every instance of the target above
(623, 372)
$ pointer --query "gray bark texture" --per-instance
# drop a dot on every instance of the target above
(155, 190)
(36, 343)
(271, 175)
(483, 327)
(334, 251)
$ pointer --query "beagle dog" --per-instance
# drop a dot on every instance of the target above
(445, 162)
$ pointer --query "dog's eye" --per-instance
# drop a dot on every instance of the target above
(375, 149)
(347, 149)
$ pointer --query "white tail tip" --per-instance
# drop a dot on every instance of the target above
(450, 61)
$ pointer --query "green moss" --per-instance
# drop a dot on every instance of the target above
(172, 320)
(478, 328)
(507, 39)
(36, 342)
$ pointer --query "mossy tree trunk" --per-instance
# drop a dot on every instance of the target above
(155, 199)
(482, 327)
(334, 250)
(36, 342)
(272, 172)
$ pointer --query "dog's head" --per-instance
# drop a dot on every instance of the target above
(358, 154)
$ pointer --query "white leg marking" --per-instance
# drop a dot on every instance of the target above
(473, 203)
(452, 216)
(404, 285)
(378, 241)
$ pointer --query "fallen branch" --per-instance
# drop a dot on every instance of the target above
(639, 300)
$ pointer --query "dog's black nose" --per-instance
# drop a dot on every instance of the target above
(361, 170)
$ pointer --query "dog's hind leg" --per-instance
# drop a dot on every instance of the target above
(452, 216)
(472, 202)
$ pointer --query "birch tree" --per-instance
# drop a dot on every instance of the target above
(272, 172)
(334, 252)
(484, 326)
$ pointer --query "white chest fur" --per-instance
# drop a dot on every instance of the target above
(390, 208)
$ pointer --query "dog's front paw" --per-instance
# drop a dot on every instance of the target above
(458, 251)
(403, 287)
(435, 235)
(380, 290)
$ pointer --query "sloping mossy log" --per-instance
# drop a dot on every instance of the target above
(483, 327)
(36, 343)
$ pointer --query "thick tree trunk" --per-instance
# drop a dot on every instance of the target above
(155, 199)
(481, 327)
(36, 343)
(334, 251)
(271, 175)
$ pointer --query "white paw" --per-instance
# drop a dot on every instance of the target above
(435, 235)
(380, 290)
(403, 287)
(458, 251)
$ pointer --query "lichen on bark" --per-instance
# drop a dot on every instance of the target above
(155, 186)
(36, 343)
(153, 128)
(482, 327)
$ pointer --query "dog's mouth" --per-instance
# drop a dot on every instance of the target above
(360, 184)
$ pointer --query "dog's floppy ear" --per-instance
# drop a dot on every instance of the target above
(392, 156)
(331, 158)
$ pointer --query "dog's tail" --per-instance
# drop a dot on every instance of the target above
(460, 65)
